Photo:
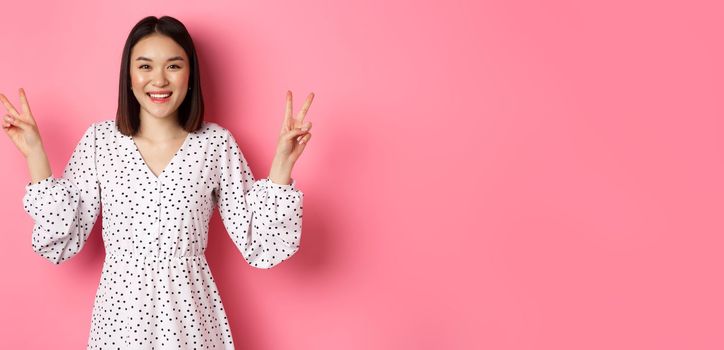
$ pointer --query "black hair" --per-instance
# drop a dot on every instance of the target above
(191, 110)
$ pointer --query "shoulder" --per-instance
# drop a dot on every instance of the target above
(104, 126)
(214, 128)
(220, 141)
(216, 133)
(91, 131)
(105, 123)
(102, 130)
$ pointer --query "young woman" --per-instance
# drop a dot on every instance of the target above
(159, 170)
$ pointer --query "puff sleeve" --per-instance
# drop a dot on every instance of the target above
(65, 209)
(264, 219)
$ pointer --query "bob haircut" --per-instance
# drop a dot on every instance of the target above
(191, 110)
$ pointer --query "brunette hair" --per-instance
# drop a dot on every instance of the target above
(191, 110)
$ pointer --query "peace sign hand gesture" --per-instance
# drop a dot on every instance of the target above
(21, 126)
(294, 134)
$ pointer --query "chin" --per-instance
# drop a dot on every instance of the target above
(153, 113)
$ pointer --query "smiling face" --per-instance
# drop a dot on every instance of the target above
(159, 67)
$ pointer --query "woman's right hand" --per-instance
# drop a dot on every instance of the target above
(21, 127)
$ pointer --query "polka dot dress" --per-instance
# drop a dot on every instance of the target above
(156, 290)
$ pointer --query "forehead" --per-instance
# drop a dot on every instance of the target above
(157, 47)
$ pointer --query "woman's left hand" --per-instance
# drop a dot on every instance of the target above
(294, 135)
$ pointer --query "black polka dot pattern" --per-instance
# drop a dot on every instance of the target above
(156, 290)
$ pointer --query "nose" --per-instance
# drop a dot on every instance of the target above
(159, 78)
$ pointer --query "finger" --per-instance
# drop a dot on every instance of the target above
(294, 133)
(8, 106)
(16, 122)
(6, 123)
(301, 138)
(19, 123)
(24, 103)
(305, 139)
(302, 113)
(306, 127)
(288, 112)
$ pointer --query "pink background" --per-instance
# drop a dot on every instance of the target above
(482, 175)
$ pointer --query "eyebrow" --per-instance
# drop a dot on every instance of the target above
(176, 58)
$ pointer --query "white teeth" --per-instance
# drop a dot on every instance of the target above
(159, 96)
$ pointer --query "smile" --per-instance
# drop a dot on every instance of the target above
(160, 98)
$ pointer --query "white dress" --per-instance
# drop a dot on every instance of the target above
(156, 290)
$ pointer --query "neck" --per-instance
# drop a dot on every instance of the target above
(160, 129)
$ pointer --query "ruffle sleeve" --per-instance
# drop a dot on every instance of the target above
(65, 209)
(264, 219)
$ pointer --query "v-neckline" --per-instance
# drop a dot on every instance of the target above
(168, 165)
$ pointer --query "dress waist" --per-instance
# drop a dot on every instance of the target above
(150, 258)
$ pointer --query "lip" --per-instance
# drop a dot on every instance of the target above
(160, 100)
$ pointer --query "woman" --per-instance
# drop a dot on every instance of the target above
(159, 170)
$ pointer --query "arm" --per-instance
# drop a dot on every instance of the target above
(264, 219)
(38, 166)
(64, 209)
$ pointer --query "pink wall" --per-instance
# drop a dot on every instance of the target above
(483, 174)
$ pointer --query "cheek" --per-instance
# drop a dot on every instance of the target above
(137, 79)
(180, 78)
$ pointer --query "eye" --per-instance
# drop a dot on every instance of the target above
(175, 65)
(143, 65)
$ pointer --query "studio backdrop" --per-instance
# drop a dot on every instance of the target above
(483, 174)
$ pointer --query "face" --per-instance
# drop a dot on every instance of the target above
(159, 67)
